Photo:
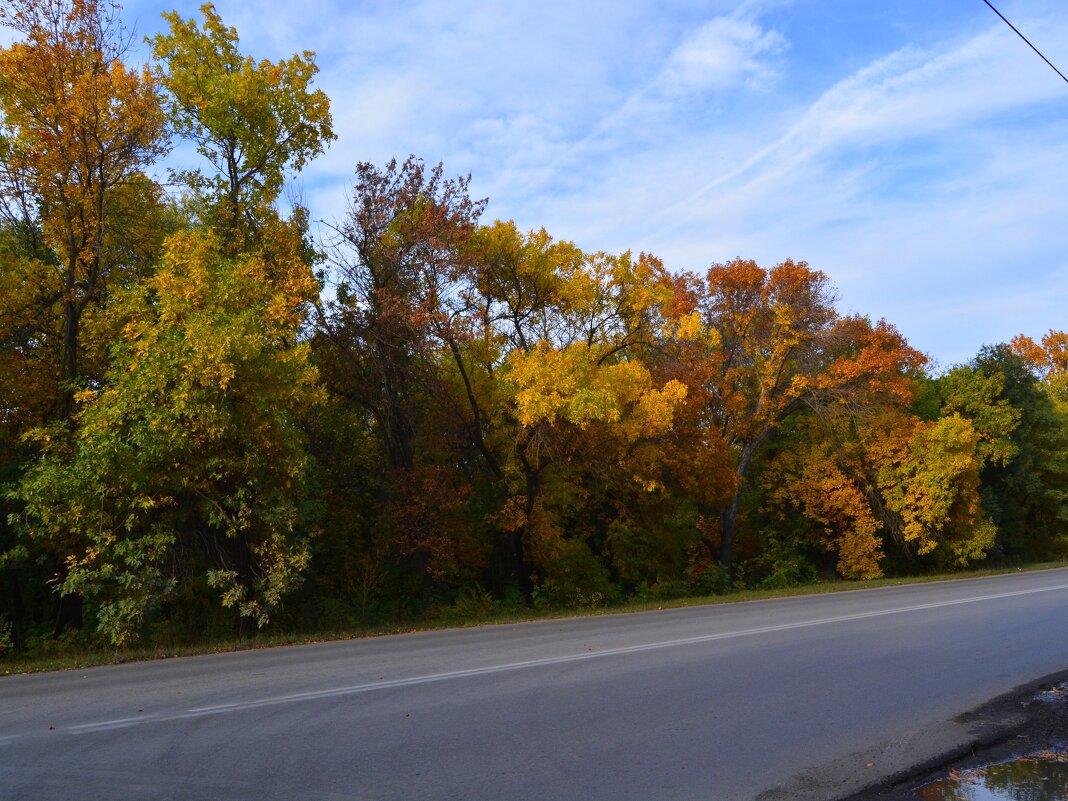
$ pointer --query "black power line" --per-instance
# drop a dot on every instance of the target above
(1025, 39)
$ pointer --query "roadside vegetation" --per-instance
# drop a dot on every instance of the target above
(82, 650)
(221, 424)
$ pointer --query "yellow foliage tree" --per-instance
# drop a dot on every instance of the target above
(810, 478)
(552, 366)
(189, 459)
(931, 480)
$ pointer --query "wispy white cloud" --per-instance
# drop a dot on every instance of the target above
(907, 95)
(723, 52)
(930, 172)
(910, 155)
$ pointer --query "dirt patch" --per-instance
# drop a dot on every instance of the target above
(1029, 719)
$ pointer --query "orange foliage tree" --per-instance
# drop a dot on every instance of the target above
(768, 329)
(1048, 358)
(78, 124)
(860, 397)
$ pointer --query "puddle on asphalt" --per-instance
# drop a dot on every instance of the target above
(1037, 777)
(1054, 694)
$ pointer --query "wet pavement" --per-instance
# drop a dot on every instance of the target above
(1042, 776)
(1018, 752)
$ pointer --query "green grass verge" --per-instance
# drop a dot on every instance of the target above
(20, 664)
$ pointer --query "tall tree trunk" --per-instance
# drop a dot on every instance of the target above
(71, 321)
(728, 518)
(519, 558)
(67, 612)
(519, 567)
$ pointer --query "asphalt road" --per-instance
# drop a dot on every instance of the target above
(802, 698)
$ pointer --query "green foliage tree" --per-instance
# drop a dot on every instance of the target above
(253, 121)
(1026, 493)
(978, 396)
(189, 461)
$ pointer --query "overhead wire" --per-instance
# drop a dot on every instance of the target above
(1025, 39)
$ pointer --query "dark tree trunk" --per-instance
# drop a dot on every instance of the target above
(728, 517)
(68, 612)
(519, 566)
(71, 322)
(519, 558)
(727, 520)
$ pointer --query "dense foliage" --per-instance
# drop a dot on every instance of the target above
(211, 421)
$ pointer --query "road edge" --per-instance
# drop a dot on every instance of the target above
(1011, 725)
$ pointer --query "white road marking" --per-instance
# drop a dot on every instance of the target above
(211, 709)
(119, 723)
(545, 661)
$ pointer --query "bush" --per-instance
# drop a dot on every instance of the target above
(6, 643)
(791, 572)
(577, 578)
(704, 575)
(473, 602)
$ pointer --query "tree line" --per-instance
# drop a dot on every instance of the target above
(212, 420)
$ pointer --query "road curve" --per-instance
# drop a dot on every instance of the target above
(798, 698)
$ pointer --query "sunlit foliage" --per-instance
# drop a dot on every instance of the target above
(213, 419)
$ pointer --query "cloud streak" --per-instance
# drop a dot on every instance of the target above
(908, 154)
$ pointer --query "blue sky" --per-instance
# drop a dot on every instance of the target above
(915, 151)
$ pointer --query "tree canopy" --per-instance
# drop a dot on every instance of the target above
(215, 419)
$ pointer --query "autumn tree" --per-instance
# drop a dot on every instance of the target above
(875, 476)
(29, 353)
(202, 376)
(77, 130)
(253, 121)
(188, 465)
(518, 350)
(77, 125)
(396, 271)
(383, 330)
(769, 327)
(1048, 358)
(932, 482)
(561, 335)
(824, 467)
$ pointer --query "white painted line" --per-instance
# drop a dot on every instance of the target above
(119, 723)
(550, 660)
(219, 708)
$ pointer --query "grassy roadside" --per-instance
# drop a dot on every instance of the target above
(70, 661)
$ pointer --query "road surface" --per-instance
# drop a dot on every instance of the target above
(808, 698)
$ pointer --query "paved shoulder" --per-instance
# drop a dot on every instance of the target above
(808, 697)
